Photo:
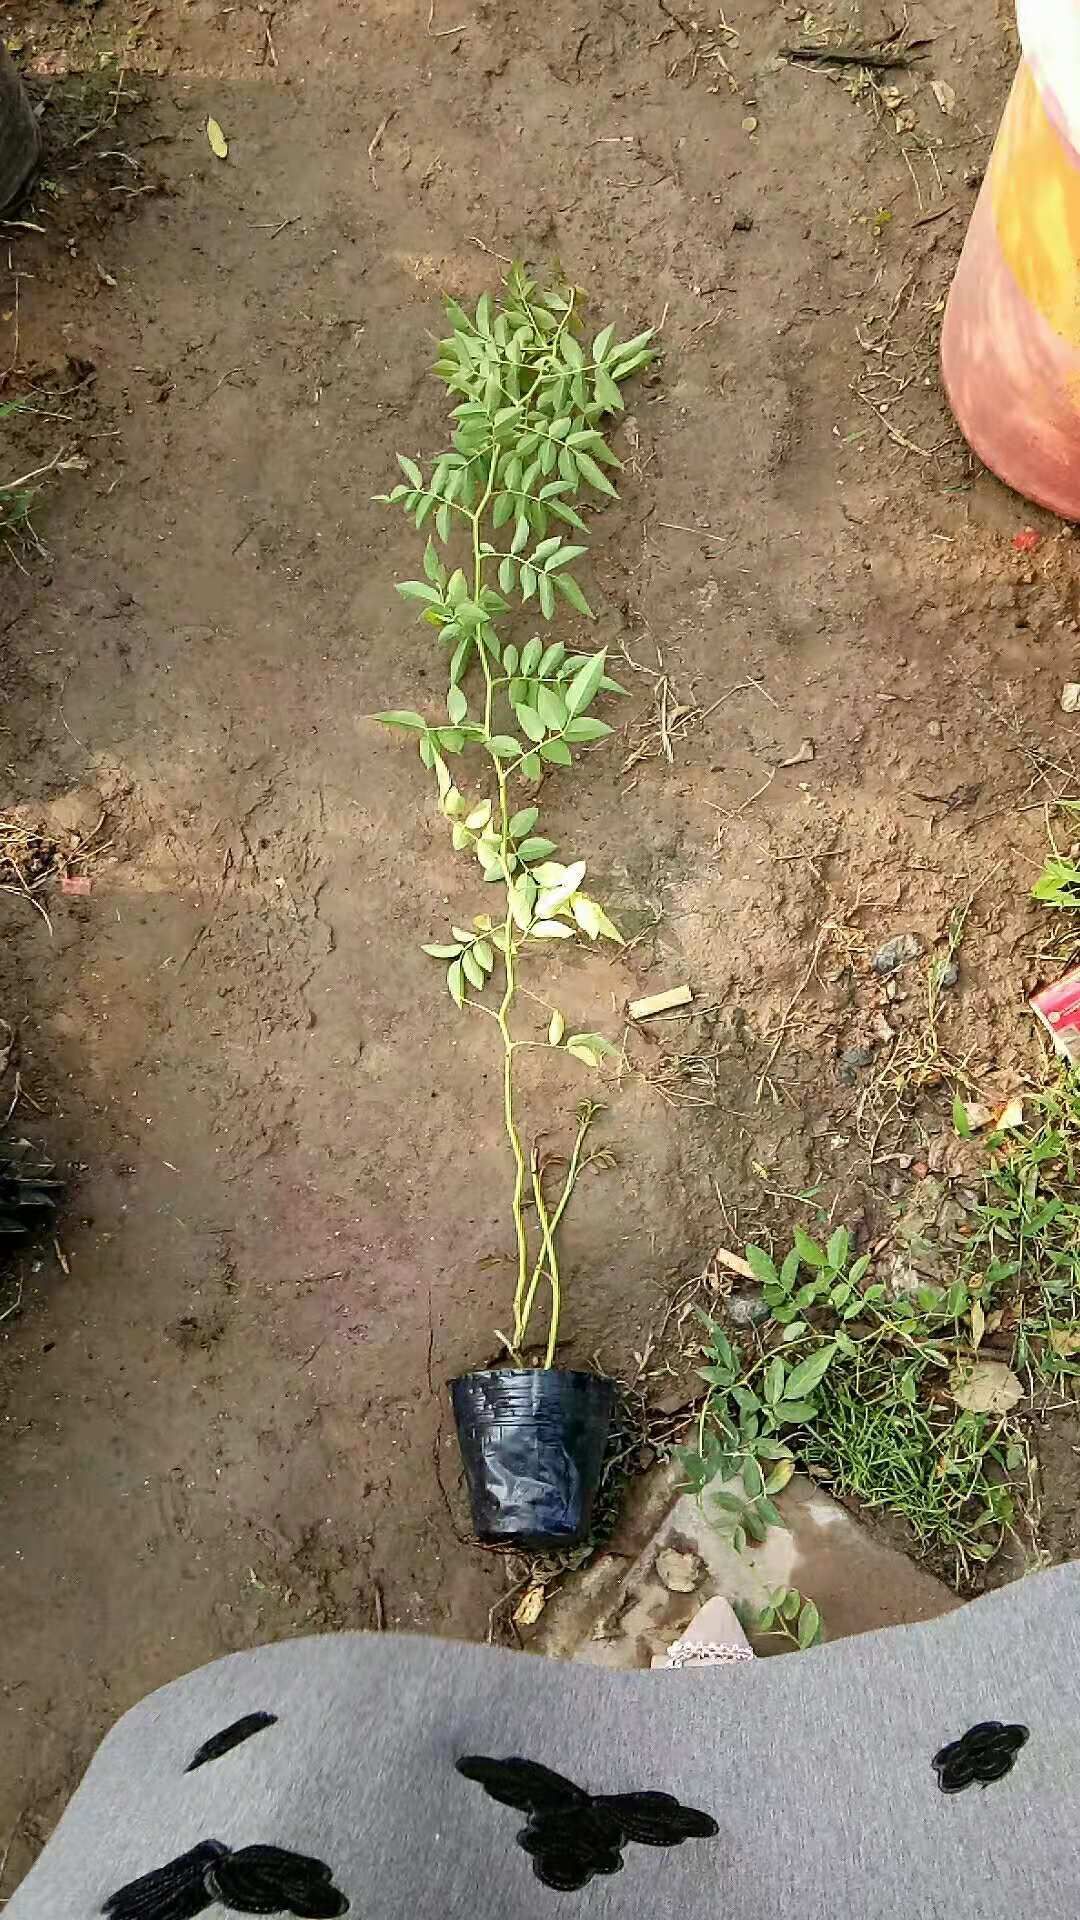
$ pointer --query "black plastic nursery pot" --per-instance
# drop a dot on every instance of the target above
(532, 1442)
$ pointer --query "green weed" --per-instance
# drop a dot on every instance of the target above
(856, 1385)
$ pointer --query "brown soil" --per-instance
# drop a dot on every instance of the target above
(227, 1421)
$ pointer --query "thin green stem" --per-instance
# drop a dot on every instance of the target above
(588, 1114)
(508, 947)
(548, 1252)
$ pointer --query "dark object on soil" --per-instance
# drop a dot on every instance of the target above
(984, 1753)
(896, 952)
(879, 57)
(852, 1060)
(27, 1205)
(532, 1443)
(20, 140)
(748, 1309)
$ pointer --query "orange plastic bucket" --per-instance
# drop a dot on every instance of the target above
(1010, 343)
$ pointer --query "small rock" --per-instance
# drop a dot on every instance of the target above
(851, 1060)
(935, 730)
(747, 1309)
(742, 223)
(680, 1572)
(949, 975)
(1070, 696)
(749, 125)
(896, 952)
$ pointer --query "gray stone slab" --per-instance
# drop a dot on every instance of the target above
(621, 1613)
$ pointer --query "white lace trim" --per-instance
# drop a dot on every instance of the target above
(705, 1653)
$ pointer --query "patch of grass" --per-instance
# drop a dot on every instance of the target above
(1022, 1264)
(859, 1387)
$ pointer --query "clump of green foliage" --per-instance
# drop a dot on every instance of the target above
(526, 457)
(858, 1386)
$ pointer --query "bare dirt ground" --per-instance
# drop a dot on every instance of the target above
(224, 1423)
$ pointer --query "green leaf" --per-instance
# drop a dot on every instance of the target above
(433, 566)
(810, 1372)
(808, 1250)
(474, 972)
(535, 848)
(506, 575)
(595, 475)
(959, 1118)
(420, 590)
(587, 729)
(602, 342)
(527, 581)
(442, 953)
(780, 1476)
(570, 591)
(456, 705)
(503, 746)
(629, 348)
(551, 930)
(728, 1503)
(523, 822)
(556, 1028)
(557, 752)
(531, 767)
(411, 471)
(455, 982)
(547, 596)
(838, 1248)
(531, 654)
(585, 684)
(809, 1625)
(412, 722)
(607, 393)
(792, 1413)
(485, 954)
(589, 1048)
(761, 1266)
(571, 350)
(521, 534)
(530, 722)
(775, 1374)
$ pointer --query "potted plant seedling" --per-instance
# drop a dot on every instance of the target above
(501, 507)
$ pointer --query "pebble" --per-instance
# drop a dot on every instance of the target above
(680, 1572)
(895, 952)
(950, 974)
(936, 730)
(851, 1060)
(747, 1309)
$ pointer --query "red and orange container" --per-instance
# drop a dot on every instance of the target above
(1010, 343)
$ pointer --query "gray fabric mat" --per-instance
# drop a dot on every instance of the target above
(816, 1767)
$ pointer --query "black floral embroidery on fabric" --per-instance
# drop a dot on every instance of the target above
(984, 1753)
(249, 1880)
(230, 1737)
(572, 1835)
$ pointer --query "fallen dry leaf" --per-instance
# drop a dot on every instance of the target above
(1065, 1340)
(530, 1607)
(944, 95)
(218, 142)
(1070, 696)
(1011, 1114)
(679, 1572)
(985, 1386)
